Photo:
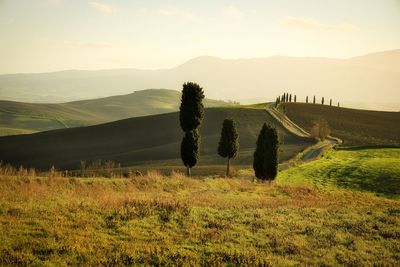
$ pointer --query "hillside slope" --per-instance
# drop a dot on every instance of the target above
(141, 140)
(377, 75)
(355, 127)
(17, 117)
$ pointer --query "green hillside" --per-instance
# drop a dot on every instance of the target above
(374, 170)
(355, 127)
(141, 140)
(17, 117)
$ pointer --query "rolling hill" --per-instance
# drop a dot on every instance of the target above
(355, 127)
(141, 140)
(376, 75)
(17, 117)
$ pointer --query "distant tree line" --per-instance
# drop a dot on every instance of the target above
(287, 98)
(320, 129)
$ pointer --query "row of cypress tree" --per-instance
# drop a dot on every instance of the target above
(191, 115)
(286, 97)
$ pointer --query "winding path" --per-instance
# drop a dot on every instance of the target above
(314, 151)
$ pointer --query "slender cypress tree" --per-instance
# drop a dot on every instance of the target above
(338, 104)
(228, 146)
(265, 163)
(322, 100)
(290, 98)
(191, 116)
(295, 100)
(190, 147)
(314, 100)
(277, 101)
(306, 99)
(330, 102)
(191, 110)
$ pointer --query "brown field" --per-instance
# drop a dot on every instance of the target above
(355, 127)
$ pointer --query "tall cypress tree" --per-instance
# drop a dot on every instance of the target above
(265, 163)
(306, 99)
(228, 146)
(322, 100)
(295, 100)
(330, 102)
(190, 148)
(191, 116)
(314, 100)
(290, 98)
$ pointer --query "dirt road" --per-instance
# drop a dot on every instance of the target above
(314, 151)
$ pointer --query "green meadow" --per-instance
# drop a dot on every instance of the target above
(342, 209)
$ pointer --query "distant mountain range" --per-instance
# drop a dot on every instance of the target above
(19, 117)
(370, 78)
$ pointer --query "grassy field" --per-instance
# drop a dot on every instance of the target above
(33, 117)
(143, 140)
(355, 127)
(161, 220)
(374, 170)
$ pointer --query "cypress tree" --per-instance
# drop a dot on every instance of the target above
(190, 147)
(322, 100)
(191, 116)
(228, 146)
(306, 99)
(330, 102)
(295, 100)
(314, 100)
(290, 98)
(338, 104)
(265, 163)
(191, 110)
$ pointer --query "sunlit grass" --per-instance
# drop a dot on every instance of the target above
(162, 220)
(373, 170)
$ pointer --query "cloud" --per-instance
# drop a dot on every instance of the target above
(55, 2)
(6, 20)
(102, 7)
(312, 24)
(232, 12)
(176, 12)
(87, 44)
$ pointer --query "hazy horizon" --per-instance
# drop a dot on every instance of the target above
(205, 56)
(54, 35)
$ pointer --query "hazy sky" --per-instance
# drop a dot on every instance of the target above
(49, 35)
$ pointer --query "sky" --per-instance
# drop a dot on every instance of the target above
(52, 35)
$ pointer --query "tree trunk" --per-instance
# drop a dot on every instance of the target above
(227, 167)
(188, 171)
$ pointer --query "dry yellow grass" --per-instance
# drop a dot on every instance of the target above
(163, 220)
